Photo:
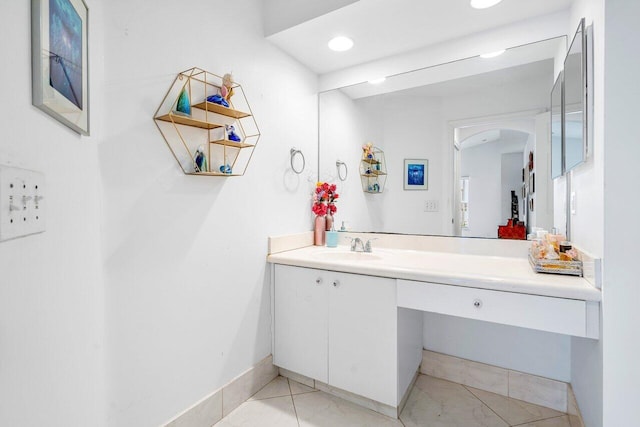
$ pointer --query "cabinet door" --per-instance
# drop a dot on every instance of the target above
(300, 321)
(363, 336)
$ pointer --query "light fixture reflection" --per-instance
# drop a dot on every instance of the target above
(492, 54)
(377, 81)
(483, 4)
(340, 43)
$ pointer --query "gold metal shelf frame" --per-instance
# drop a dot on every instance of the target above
(205, 126)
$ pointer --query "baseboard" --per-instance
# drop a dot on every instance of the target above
(381, 408)
(575, 417)
(506, 382)
(220, 403)
(403, 402)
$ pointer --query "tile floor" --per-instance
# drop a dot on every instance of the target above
(433, 402)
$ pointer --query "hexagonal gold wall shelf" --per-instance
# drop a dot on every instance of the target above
(373, 172)
(206, 125)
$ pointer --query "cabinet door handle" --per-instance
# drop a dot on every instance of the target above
(336, 283)
(477, 303)
(319, 281)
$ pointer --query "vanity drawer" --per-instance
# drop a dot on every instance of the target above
(560, 315)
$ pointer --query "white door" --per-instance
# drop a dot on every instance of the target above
(363, 336)
(300, 321)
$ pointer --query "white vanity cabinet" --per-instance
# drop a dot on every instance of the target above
(341, 329)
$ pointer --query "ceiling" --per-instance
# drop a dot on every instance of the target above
(516, 139)
(381, 28)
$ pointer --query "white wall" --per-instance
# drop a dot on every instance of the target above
(524, 350)
(511, 180)
(51, 284)
(345, 129)
(484, 166)
(408, 127)
(587, 225)
(280, 15)
(187, 282)
(620, 288)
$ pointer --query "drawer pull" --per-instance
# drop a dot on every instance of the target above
(319, 281)
(336, 283)
(477, 303)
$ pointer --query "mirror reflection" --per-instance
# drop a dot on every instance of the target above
(574, 102)
(481, 125)
(556, 128)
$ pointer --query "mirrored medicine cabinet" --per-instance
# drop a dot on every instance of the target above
(572, 105)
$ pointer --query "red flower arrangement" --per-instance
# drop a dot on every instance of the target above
(324, 199)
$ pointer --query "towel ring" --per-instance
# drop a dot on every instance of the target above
(346, 170)
(294, 152)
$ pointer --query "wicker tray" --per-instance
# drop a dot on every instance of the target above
(555, 266)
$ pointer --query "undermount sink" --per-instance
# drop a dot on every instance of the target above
(341, 255)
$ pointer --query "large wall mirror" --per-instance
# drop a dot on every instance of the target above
(482, 124)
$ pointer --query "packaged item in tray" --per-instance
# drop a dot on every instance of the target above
(545, 256)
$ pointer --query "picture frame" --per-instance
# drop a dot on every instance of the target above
(59, 61)
(533, 182)
(416, 174)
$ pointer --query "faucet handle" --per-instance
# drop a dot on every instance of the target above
(353, 242)
(367, 246)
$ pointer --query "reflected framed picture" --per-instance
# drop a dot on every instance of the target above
(59, 61)
(416, 174)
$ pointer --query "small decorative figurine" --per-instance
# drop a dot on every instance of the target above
(367, 151)
(183, 107)
(227, 87)
(226, 168)
(231, 133)
(217, 99)
(201, 160)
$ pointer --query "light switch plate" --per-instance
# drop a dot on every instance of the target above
(431, 206)
(22, 207)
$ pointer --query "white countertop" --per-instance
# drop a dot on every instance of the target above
(479, 271)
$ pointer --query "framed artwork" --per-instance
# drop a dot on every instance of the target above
(416, 174)
(533, 182)
(59, 61)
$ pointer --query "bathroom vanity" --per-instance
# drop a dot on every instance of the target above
(352, 320)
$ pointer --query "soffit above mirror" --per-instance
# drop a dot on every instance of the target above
(382, 28)
(516, 64)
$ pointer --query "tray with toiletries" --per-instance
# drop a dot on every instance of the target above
(552, 254)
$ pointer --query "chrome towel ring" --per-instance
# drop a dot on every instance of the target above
(340, 166)
(294, 152)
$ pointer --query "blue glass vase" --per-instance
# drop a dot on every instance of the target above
(184, 106)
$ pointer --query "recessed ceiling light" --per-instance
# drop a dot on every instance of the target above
(340, 43)
(492, 54)
(377, 81)
(483, 4)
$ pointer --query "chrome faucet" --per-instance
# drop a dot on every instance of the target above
(365, 247)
